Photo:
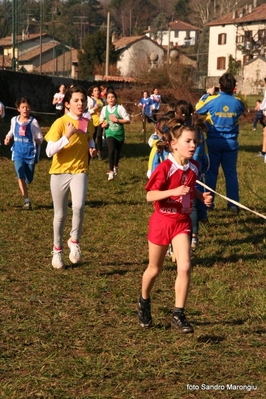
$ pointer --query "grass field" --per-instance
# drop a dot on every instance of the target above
(74, 333)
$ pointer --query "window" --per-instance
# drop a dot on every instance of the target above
(240, 39)
(176, 33)
(245, 58)
(222, 38)
(248, 35)
(221, 62)
(262, 35)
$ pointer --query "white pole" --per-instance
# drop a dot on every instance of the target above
(107, 45)
(41, 19)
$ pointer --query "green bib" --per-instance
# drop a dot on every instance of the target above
(115, 130)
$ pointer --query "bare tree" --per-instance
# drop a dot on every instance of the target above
(203, 9)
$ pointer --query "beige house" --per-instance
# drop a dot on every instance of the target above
(179, 33)
(39, 54)
(242, 35)
(137, 54)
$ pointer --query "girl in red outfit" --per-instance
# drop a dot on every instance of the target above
(172, 188)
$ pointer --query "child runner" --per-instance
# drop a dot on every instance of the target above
(26, 148)
(113, 118)
(2, 111)
(258, 114)
(95, 104)
(69, 142)
(172, 188)
(156, 98)
(103, 91)
(145, 103)
(185, 111)
(58, 101)
(157, 155)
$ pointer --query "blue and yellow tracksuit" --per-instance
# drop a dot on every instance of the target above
(155, 157)
(199, 210)
(222, 120)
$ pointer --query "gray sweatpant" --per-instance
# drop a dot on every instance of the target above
(60, 187)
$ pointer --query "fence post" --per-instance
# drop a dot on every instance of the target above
(144, 120)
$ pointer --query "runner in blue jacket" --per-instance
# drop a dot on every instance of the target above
(222, 112)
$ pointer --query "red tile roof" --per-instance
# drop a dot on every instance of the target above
(59, 64)
(30, 55)
(249, 14)
(7, 41)
(181, 25)
(108, 78)
(127, 41)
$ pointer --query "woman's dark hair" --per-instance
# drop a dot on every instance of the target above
(74, 89)
(169, 114)
(22, 100)
(94, 87)
(184, 110)
(89, 91)
(227, 83)
(111, 92)
(161, 124)
(110, 89)
(170, 111)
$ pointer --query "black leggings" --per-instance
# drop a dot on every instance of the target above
(153, 114)
(98, 133)
(114, 149)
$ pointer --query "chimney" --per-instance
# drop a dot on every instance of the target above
(255, 3)
(114, 37)
(250, 8)
(234, 14)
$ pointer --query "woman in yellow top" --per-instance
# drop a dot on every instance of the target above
(69, 143)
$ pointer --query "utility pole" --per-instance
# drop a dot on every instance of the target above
(82, 21)
(107, 45)
(41, 24)
(14, 33)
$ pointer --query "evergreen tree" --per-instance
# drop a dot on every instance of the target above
(159, 24)
(182, 10)
(93, 54)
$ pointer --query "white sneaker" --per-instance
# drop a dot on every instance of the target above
(194, 243)
(111, 175)
(57, 261)
(169, 250)
(264, 158)
(75, 253)
(115, 171)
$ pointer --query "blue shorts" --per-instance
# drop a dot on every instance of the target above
(24, 170)
(163, 229)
